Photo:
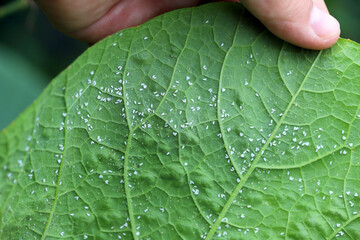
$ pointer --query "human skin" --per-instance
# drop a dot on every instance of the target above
(305, 23)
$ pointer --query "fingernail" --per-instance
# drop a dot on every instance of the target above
(323, 24)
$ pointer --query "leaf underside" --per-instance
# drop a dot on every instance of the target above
(198, 124)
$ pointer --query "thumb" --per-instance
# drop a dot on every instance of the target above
(305, 23)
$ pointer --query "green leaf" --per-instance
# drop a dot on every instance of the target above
(197, 124)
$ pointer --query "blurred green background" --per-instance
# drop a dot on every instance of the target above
(32, 52)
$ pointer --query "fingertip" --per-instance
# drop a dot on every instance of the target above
(303, 36)
(325, 26)
(322, 32)
(303, 23)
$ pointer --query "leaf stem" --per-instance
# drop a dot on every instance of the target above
(13, 7)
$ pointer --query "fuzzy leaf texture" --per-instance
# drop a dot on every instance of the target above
(199, 124)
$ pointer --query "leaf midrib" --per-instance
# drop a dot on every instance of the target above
(219, 94)
(128, 143)
(256, 160)
(56, 197)
(132, 130)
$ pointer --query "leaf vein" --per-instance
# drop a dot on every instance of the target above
(256, 160)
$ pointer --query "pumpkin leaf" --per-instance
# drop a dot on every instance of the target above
(199, 124)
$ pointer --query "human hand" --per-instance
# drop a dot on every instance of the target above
(305, 23)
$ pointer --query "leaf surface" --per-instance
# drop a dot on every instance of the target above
(196, 125)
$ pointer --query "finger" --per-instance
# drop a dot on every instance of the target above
(92, 20)
(128, 13)
(69, 16)
(305, 23)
